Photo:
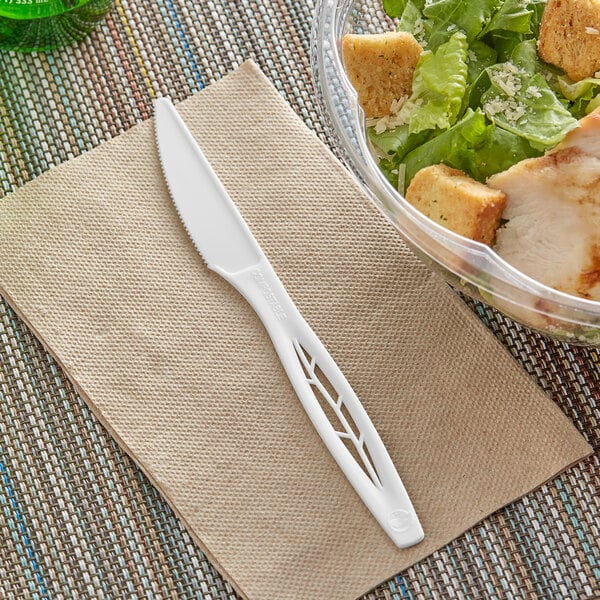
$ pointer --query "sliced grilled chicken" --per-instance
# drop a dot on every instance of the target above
(552, 232)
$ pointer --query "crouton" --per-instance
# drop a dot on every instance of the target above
(452, 199)
(570, 36)
(380, 67)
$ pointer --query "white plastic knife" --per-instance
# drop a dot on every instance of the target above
(225, 242)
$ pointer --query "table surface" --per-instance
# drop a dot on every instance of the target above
(110, 533)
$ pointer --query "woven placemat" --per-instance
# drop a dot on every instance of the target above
(111, 535)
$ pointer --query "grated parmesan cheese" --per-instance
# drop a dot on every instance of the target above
(592, 31)
(400, 110)
(401, 178)
(514, 112)
(510, 109)
(533, 91)
(507, 79)
(494, 106)
(397, 105)
(419, 32)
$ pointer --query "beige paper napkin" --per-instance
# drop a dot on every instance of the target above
(180, 370)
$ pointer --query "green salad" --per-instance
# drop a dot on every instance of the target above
(482, 99)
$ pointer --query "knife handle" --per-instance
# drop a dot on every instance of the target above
(331, 404)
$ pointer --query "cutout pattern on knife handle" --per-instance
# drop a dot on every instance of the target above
(331, 404)
(340, 418)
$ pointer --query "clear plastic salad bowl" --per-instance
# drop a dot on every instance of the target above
(469, 266)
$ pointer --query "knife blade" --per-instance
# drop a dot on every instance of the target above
(228, 247)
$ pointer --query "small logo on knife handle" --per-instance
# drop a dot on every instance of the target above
(400, 520)
(269, 295)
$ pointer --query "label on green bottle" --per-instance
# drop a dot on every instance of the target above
(36, 9)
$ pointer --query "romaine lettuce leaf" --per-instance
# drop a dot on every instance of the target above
(439, 84)
(592, 105)
(454, 147)
(537, 6)
(499, 150)
(504, 42)
(473, 146)
(479, 57)
(513, 15)
(524, 56)
(448, 16)
(573, 90)
(526, 106)
(409, 20)
(393, 145)
(398, 141)
(580, 93)
(395, 8)
(389, 168)
(478, 88)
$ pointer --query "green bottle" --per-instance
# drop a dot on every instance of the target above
(38, 25)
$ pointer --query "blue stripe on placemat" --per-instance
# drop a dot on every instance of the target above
(402, 588)
(83, 515)
(181, 34)
(21, 528)
(580, 527)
